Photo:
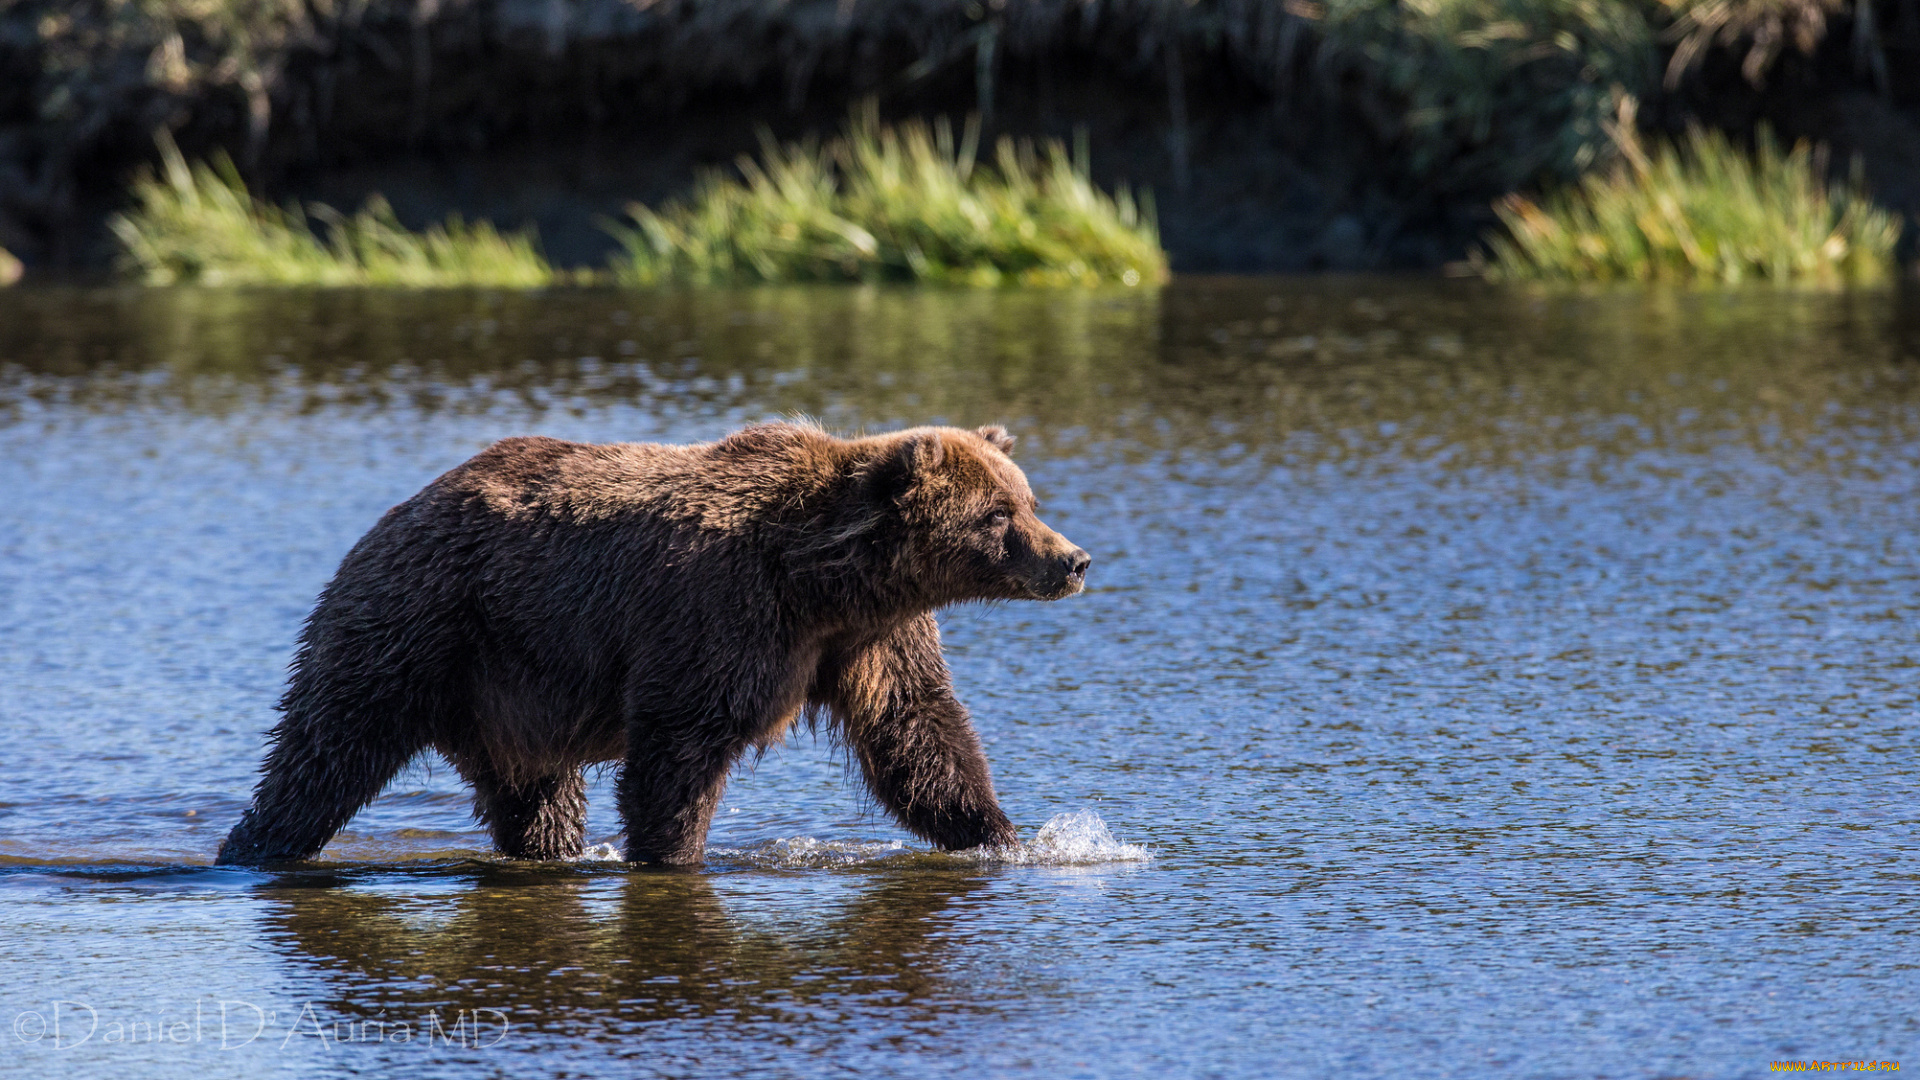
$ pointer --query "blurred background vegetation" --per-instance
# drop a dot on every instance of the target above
(1273, 135)
(905, 203)
(199, 224)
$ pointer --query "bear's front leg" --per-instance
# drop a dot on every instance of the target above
(893, 699)
(671, 782)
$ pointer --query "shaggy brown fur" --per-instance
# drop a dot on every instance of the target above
(548, 605)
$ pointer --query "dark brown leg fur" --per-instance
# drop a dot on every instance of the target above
(352, 716)
(931, 775)
(315, 779)
(541, 818)
(913, 739)
(668, 790)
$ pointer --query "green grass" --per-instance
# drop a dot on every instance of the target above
(1703, 210)
(199, 224)
(896, 203)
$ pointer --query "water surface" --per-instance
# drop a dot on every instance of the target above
(1499, 683)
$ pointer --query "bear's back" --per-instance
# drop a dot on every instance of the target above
(724, 486)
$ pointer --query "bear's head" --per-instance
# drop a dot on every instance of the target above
(969, 525)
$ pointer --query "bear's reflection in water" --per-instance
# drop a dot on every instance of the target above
(574, 954)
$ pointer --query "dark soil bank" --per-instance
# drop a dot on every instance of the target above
(1266, 144)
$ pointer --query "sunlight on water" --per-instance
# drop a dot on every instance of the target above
(807, 853)
(1076, 838)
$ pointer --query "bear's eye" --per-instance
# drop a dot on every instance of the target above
(998, 518)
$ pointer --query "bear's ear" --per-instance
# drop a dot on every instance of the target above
(998, 437)
(915, 457)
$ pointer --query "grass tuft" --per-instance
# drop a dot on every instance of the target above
(199, 224)
(1703, 210)
(897, 203)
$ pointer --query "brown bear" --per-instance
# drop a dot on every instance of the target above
(548, 605)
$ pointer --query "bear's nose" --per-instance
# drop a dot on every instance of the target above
(1077, 562)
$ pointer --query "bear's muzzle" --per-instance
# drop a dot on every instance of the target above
(1063, 576)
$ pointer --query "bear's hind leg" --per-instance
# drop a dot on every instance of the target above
(668, 792)
(316, 777)
(541, 817)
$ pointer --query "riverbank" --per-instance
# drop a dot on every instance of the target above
(1282, 136)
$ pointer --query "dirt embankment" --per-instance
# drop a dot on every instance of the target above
(1268, 141)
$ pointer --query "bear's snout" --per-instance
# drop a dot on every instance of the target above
(1062, 575)
(1077, 562)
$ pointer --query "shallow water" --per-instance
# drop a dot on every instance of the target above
(1473, 682)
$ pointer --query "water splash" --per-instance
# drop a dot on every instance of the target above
(601, 853)
(1075, 838)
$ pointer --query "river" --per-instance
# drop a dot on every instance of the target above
(1469, 682)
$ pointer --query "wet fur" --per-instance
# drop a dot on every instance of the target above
(548, 605)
